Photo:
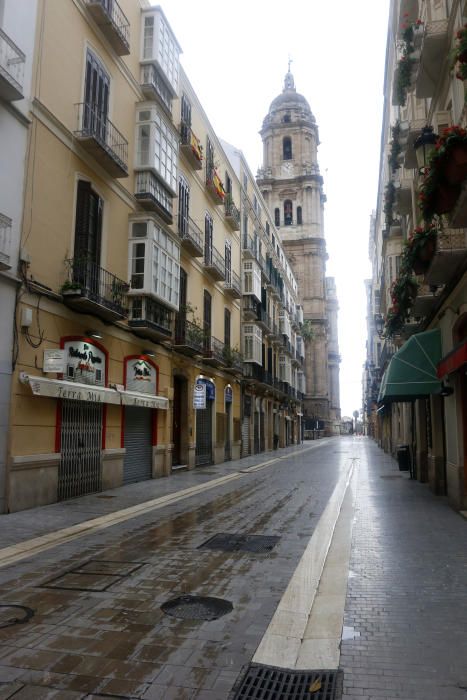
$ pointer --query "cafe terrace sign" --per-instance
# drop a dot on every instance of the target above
(56, 388)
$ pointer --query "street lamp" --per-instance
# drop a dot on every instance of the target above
(379, 324)
(424, 146)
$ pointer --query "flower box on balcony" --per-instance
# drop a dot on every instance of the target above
(214, 185)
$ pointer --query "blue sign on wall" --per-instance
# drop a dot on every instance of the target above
(210, 388)
(228, 394)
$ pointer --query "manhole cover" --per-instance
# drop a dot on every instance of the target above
(194, 607)
(267, 682)
(257, 544)
(14, 615)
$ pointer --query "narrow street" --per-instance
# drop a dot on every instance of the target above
(364, 570)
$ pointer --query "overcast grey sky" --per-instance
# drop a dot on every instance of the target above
(235, 56)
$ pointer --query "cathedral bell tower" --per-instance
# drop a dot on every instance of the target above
(293, 190)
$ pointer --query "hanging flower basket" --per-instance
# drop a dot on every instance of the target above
(445, 198)
(455, 167)
(420, 249)
(423, 258)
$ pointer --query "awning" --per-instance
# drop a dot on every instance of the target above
(60, 389)
(135, 398)
(411, 373)
(453, 361)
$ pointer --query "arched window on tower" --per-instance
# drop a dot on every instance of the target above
(277, 217)
(286, 119)
(287, 212)
(299, 215)
(287, 148)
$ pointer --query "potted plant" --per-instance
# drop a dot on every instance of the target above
(460, 48)
(395, 148)
(420, 248)
(450, 155)
(70, 288)
(435, 195)
(389, 199)
(403, 292)
(394, 322)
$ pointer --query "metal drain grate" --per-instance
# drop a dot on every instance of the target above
(194, 607)
(95, 575)
(271, 683)
(14, 615)
(256, 544)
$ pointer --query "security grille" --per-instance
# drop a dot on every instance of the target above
(81, 441)
(203, 452)
(137, 465)
(270, 683)
(256, 432)
(246, 436)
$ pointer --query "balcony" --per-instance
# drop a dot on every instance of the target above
(233, 361)
(232, 214)
(256, 373)
(153, 196)
(149, 319)
(232, 284)
(249, 309)
(432, 54)
(415, 127)
(424, 303)
(451, 253)
(12, 61)
(99, 137)
(191, 147)
(5, 242)
(262, 319)
(248, 247)
(108, 15)
(189, 338)
(264, 267)
(403, 195)
(91, 289)
(154, 88)
(214, 352)
(214, 263)
(214, 185)
(191, 239)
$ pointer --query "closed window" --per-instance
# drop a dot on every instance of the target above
(288, 218)
(277, 217)
(252, 279)
(287, 148)
(299, 215)
(183, 205)
(252, 344)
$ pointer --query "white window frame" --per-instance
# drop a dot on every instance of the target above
(252, 344)
(252, 278)
(160, 154)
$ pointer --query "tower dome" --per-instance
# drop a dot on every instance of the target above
(289, 101)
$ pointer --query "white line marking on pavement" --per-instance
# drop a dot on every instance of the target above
(28, 548)
(282, 641)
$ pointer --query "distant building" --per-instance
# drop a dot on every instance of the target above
(292, 188)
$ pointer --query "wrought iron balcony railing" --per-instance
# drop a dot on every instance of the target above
(191, 237)
(214, 263)
(232, 284)
(5, 241)
(12, 61)
(102, 139)
(92, 289)
(214, 184)
(153, 196)
(113, 23)
(189, 337)
(232, 214)
(190, 145)
(214, 351)
(248, 246)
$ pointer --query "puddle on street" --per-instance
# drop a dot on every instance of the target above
(349, 633)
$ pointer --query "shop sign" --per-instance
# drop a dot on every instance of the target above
(143, 401)
(41, 386)
(84, 363)
(141, 376)
(228, 394)
(199, 396)
(54, 361)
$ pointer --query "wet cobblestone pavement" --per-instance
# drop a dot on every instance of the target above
(98, 630)
(84, 642)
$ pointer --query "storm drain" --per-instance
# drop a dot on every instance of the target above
(256, 544)
(95, 576)
(14, 615)
(194, 607)
(271, 683)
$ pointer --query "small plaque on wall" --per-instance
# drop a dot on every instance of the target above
(54, 361)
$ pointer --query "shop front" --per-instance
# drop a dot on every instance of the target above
(204, 397)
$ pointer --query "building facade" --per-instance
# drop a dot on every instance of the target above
(155, 318)
(292, 188)
(17, 34)
(418, 247)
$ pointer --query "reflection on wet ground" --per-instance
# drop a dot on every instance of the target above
(117, 640)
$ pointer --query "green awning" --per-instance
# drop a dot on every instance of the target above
(411, 373)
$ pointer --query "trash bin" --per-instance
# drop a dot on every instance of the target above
(403, 458)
